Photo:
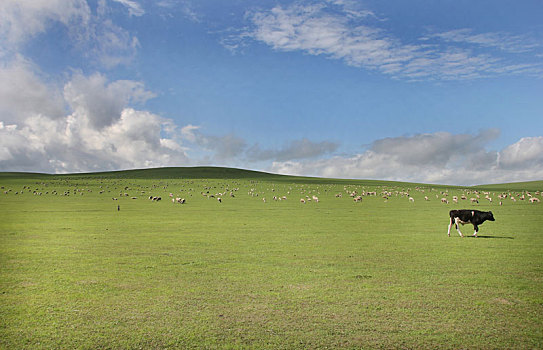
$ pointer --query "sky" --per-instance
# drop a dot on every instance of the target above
(444, 92)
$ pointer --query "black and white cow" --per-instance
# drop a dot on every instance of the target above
(468, 216)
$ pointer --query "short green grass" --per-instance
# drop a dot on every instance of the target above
(76, 272)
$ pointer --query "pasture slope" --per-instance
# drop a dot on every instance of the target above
(88, 261)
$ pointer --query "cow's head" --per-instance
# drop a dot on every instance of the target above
(490, 217)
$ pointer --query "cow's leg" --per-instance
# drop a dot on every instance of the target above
(476, 230)
(450, 225)
(456, 220)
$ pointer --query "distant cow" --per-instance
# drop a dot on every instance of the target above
(467, 216)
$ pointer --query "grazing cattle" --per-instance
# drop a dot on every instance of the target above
(466, 216)
(534, 200)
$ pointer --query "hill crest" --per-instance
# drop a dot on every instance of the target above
(212, 172)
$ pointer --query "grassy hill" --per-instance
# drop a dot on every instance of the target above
(202, 172)
(514, 186)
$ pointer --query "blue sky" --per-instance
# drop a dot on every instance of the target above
(440, 92)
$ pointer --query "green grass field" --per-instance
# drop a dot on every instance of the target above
(76, 272)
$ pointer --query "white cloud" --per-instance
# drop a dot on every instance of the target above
(102, 132)
(111, 45)
(527, 154)
(85, 140)
(68, 145)
(101, 102)
(431, 158)
(500, 40)
(95, 36)
(334, 32)
(313, 30)
(170, 9)
(188, 132)
(134, 8)
(20, 20)
(437, 149)
(26, 94)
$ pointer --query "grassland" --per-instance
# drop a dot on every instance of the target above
(81, 270)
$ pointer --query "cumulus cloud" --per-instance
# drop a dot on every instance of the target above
(431, 158)
(437, 149)
(26, 93)
(101, 102)
(334, 30)
(67, 145)
(100, 132)
(527, 153)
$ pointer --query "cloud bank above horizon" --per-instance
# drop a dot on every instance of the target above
(129, 138)
(85, 120)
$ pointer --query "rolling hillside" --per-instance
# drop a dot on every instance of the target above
(202, 172)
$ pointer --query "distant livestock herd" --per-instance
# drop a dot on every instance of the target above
(356, 194)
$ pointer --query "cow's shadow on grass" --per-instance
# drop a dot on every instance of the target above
(492, 237)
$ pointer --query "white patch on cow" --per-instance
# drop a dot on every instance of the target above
(458, 221)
